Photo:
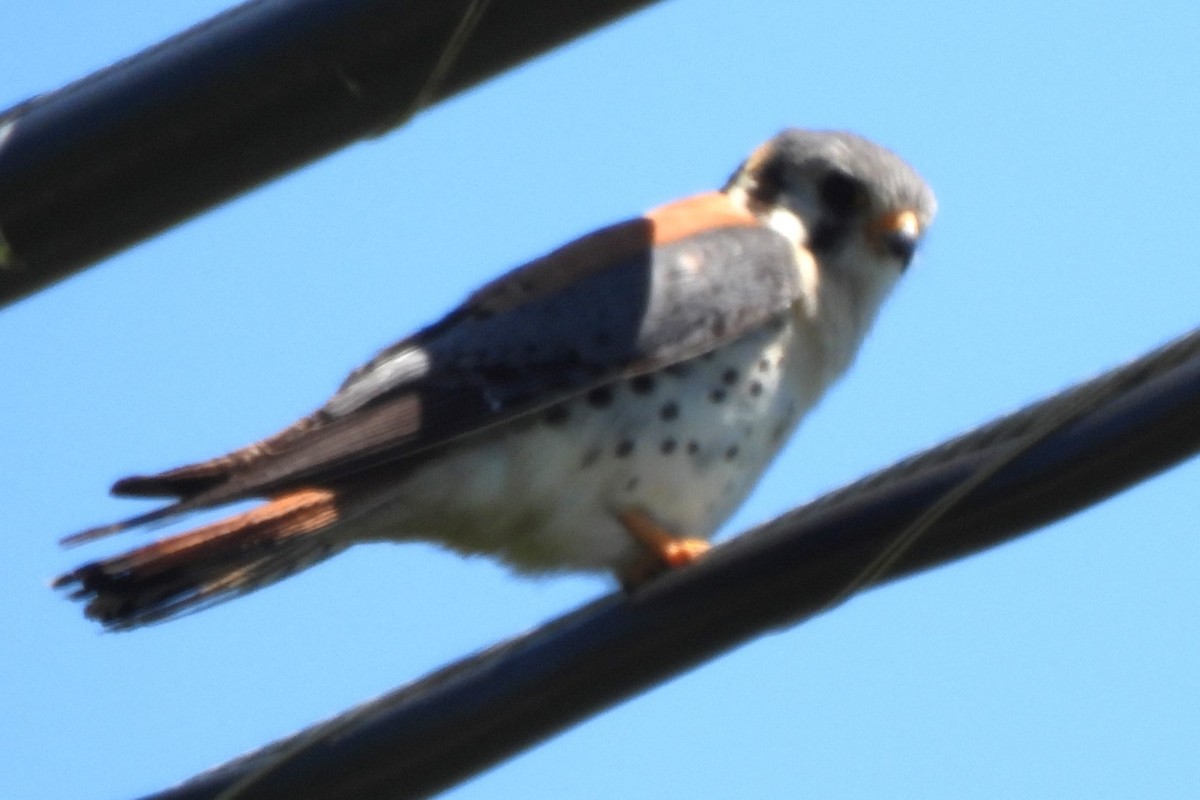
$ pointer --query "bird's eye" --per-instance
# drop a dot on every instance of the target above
(841, 193)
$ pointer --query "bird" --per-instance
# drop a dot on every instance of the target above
(602, 408)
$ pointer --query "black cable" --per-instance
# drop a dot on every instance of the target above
(1046, 461)
(270, 85)
(252, 93)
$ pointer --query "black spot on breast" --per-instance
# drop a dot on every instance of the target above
(600, 397)
(693, 447)
(732, 453)
(729, 376)
(668, 446)
(557, 414)
(756, 388)
(624, 448)
(642, 384)
(717, 395)
(669, 411)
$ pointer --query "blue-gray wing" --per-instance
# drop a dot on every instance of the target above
(627, 299)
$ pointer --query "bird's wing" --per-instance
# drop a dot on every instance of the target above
(631, 298)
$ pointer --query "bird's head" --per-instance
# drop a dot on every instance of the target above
(857, 207)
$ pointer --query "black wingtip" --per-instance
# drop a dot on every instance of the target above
(106, 604)
(182, 483)
(101, 531)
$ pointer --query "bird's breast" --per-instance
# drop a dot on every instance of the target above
(685, 444)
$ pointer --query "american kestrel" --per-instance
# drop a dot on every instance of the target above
(604, 407)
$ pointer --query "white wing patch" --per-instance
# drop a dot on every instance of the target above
(405, 367)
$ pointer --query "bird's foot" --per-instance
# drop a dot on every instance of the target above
(664, 550)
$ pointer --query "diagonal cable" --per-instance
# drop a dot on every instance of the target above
(258, 90)
(1003, 479)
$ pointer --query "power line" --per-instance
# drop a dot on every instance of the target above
(246, 96)
(1039, 464)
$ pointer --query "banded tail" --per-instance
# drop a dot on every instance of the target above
(214, 562)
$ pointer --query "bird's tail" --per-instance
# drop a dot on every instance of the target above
(212, 563)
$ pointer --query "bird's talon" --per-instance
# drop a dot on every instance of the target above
(664, 550)
(681, 552)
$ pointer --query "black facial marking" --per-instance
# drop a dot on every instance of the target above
(828, 235)
(769, 181)
(841, 194)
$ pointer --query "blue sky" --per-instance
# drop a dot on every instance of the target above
(1060, 139)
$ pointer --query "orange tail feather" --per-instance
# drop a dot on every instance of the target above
(194, 569)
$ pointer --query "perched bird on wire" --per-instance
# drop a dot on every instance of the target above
(604, 407)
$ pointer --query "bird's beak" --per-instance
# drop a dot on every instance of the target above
(897, 234)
